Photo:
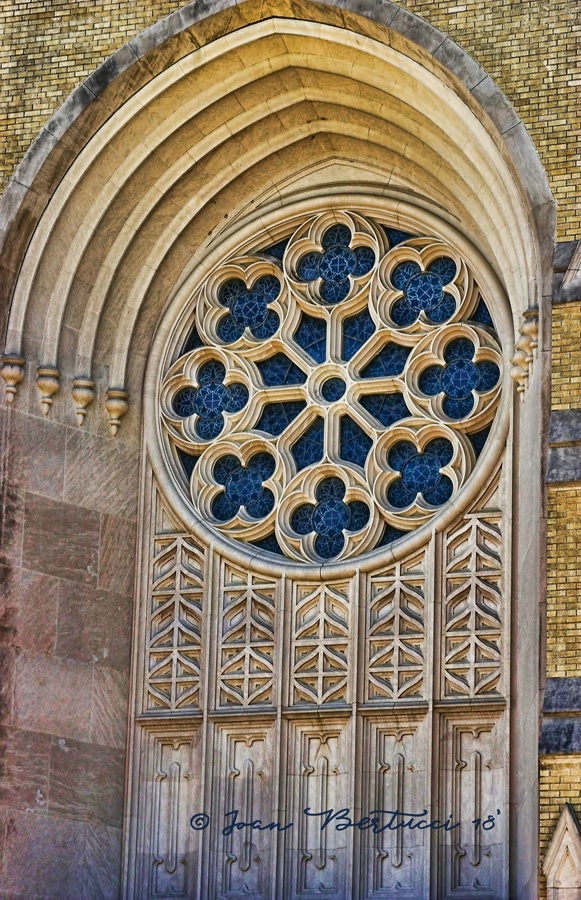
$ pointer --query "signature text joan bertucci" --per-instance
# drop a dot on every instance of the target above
(377, 821)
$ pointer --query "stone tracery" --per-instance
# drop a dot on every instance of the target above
(350, 357)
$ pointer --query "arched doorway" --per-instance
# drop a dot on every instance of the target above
(262, 130)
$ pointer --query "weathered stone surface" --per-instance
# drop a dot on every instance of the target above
(113, 472)
(43, 857)
(109, 707)
(53, 695)
(561, 735)
(93, 625)
(562, 695)
(25, 769)
(28, 609)
(117, 554)
(564, 464)
(86, 781)
(60, 539)
(102, 863)
(565, 426)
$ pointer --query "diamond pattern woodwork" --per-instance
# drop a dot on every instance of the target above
(320, 643)
(247, 639)
(395, 641)
(175, 623)
(472, 608)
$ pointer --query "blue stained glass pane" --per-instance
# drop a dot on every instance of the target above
(443, 311)
(268, 286)
(244, 486)
(268, 327)
(390, 534)
(478, 440)
(399, 455)
(276, 250)
(223, 508)
(308, 449)
(386, 408)
(208, 429)
(193, 342)
(262, 505)
(336, 235)
(400, 496)
(460, 378)
(279, 369)
(263, 464)
(402, 313)
(211, 400)
(444, 268)
(356, 330)
(354, 444)
(421, 472)
(329, 546)
(403, 273)
(308, 267)
(457, 409)
(211, 371)
(249, 310)
(237, 397)
(359, 515)
(269, 543)
(335, 291)
(441, 493)
(311, 335)
(188, 461)
(395, 236)
(430, 380)
(337, 263)
(333, 389)
(230, 290)
(228, 330)
(481, 314)
(330, 489)
(365, 261)
(276, 416)
(489, 373)
(461, 348)
(184, 402)
(390, 361)
(224, 467)
(441, 449)
(330, 517)
(424, 291)
(302, 519)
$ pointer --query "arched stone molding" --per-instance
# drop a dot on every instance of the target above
(213, 122)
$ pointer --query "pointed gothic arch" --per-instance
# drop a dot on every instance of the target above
(203, 139)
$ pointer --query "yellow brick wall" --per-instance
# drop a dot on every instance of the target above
(564, 582)
(560, 778)
(566, 358)
(527, 46)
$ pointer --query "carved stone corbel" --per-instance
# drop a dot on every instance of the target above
(525, 350)
(83, 394)
(12, 372)
(48, 384)
(562, 862)
(116, 405)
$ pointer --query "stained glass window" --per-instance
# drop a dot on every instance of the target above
(336, 389)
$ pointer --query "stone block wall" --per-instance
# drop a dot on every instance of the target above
(66, 596)
(527, 46)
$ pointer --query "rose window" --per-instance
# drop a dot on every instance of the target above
(335, 390)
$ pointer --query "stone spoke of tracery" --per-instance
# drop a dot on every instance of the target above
(336, 390)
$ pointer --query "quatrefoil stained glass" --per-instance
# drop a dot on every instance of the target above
(336, 390)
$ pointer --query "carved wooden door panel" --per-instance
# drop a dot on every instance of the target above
(314, 714)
